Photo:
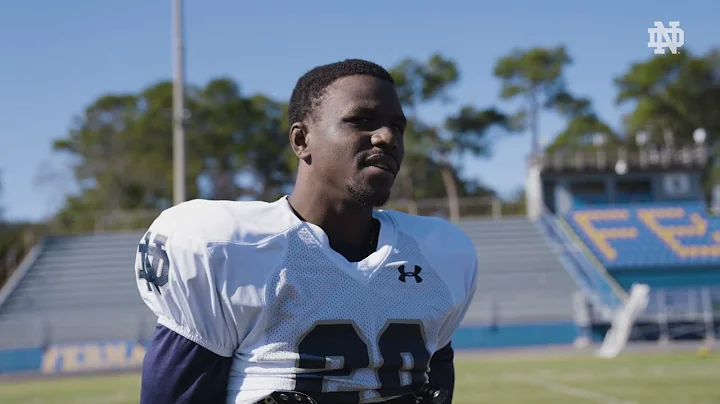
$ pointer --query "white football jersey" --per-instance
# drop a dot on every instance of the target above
(251, 281)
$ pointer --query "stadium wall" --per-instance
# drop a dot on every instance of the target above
(668, 278)
(515, 335)
(74, 358)
(128, 355)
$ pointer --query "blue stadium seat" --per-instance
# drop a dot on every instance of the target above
(649, 235)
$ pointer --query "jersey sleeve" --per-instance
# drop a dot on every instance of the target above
(176, 370)
(452, 322)
(178, 280)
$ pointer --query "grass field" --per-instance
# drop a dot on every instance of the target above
(639, 378)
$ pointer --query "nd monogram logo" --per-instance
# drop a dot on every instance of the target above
(415, 275)
(154, 262)
(662, 37)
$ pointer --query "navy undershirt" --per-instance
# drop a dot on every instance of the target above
(179, 371)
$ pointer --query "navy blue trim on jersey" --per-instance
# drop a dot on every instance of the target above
(442, 370)
(179, 371)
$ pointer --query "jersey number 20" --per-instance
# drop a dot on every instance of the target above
(342, 341)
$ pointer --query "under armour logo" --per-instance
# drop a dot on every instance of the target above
(404, 275)
(662, 37)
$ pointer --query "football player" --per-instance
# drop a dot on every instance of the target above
(318, 292)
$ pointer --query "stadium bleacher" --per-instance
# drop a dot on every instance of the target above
(78, 277)
(671, 246)
(649, 235)
(530, 274)
(87, 277)
(520, 277)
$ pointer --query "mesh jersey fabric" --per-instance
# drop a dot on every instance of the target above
(252, 282)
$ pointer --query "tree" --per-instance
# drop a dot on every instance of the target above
(536, 77)
(582, 127)
(271, 162)
(430, 182)
(440, 146)
(672, 93)
(122, 149)
(1, 208)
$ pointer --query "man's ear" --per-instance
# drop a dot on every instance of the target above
(300, 141)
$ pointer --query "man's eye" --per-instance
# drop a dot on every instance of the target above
(363, 122)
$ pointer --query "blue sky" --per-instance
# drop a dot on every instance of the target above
(56, 57)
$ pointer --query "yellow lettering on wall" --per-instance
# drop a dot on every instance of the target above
(137, 354)
(74, 358)
(115, 355)
(50, 360)
(600, 237)
(671, 235)
(92, 357)
(70, 359)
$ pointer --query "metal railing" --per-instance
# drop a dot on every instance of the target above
(678, 313)
(599, 287)
(100, 222)
(17, 251)
(603, 159)
(469, 207)
(683, 303)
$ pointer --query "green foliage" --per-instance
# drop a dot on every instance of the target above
(432, 151)
(532, 73)
(579, 134)
(536, 77)
(674, 94)
(236, 147)
(582, 126)
(679, 93)
(13, 246)
(419, 82)
(2, 216)
(121, 144)
(10, 233)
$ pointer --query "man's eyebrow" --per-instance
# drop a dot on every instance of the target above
(368, 111)
(361, 110)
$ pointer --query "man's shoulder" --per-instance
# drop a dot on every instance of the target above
(434, 233)
(446, 248)
(237, 222)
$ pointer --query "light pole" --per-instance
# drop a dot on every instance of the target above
(178, 103)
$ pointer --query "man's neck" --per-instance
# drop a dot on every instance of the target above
(343, 221)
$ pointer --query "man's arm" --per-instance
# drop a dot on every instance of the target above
(178, 371)
(189, 355)
(442, 366)
(442, 371)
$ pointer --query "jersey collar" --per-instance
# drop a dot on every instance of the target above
(386, 239)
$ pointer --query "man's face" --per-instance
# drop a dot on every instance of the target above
(357, 138)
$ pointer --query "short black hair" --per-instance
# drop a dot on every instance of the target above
(310, 88)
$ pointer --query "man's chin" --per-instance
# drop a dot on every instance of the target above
(370, 196)
(380, 200)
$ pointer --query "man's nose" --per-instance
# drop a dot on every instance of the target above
(384, 137)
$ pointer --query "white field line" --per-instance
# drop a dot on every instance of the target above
(570, 391)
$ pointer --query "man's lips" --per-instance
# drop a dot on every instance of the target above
(383, 161)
